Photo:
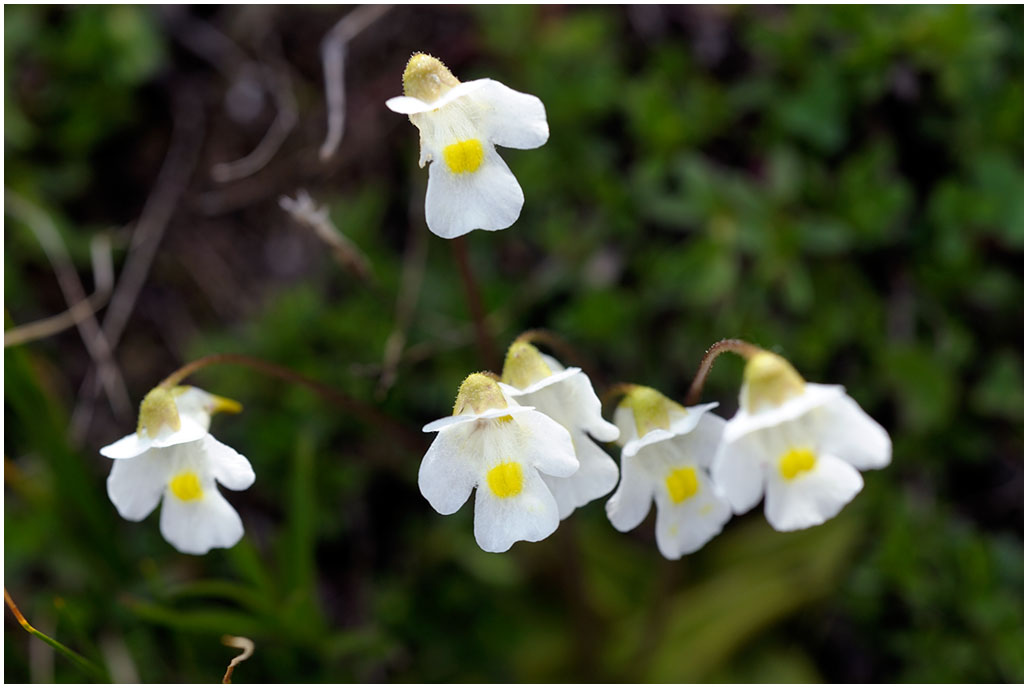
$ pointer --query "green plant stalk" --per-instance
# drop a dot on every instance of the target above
(84, 664)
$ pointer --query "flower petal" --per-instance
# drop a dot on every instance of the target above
(135, 484)
(681, 424)
(596, 477)
(529, 516)
(631, 502)
(196, 526)
(849, 433)
(815, 395)
(546, 444)
(684, 527)
(488, 199)
(812, 497)
(448, 421)
(625, 421)
(512, 118)
(191, 429)
(196, 404)
(229, 467)
(449, 469)
(739, 470)
(406, 105)
(131, 445)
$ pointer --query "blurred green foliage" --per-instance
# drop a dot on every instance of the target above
(841, 184)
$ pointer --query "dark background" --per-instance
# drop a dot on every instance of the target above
(843, 185)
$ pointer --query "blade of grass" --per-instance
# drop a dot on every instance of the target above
(83, 664)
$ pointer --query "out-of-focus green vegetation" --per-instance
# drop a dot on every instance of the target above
(841, 184)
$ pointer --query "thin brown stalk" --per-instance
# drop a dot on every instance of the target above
(367, 412)
(487, 351)
(242, 643)
(103, 283)
(334, 51)
(744, 349)
(99, 346)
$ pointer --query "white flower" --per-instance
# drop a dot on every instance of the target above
(799, 444)
(566, 396)
(470, 186)
(668, 449)
(500, 449)
(173, 456)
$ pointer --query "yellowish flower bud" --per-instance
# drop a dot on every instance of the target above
(158, 409)
(650, 409)
(479, 393)
(524, 365)
(426, 78)
(769, 381)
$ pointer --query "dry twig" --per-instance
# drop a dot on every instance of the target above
(306, 212)
(242, 643)
(98, 346)
(172, 180)
(285, 119)
(334, 51)
(103, 283)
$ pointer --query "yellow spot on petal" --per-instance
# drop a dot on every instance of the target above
(505, 480)
(186, 486)
(464, 156)
(796, 461)
(682, 484)
(506, 418)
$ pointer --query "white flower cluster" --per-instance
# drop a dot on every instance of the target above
(527, 441)
(526, 444)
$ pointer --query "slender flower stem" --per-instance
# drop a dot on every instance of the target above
(615, 392)
(563, 348)
(744, 349)
(471, 288)
(367, 412)
(84, 664)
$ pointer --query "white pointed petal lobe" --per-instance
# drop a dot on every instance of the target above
(449, 469)
(406, 105)
(596, 477)
(511, 118)
(629, 505)
(448, 421)
(812, 497)
(849, 433)
(135, 484)
(229, 467)
(131, 445)
(190, 430)
(546, 445)
(739, 469)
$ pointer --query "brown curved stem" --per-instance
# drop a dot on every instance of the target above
(741, 347)
(561, 347)
(615, 392)
(365, 411)
(478, 314)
